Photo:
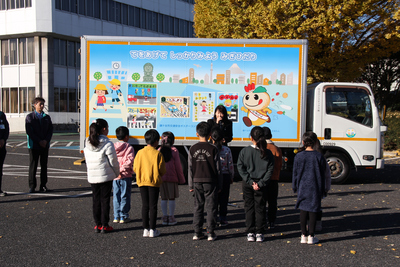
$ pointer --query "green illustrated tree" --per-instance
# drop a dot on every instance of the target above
(97, 75)
(232, 80)
(160, 77)
(236, 80)
(269, 82)
(170, 79)
(248, 81)
(180, 81)
(343, 36)
(215, 81)
(136, 76)
(202, 81)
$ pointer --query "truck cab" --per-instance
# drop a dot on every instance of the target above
(346, 120)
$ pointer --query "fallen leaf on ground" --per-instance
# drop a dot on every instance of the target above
(353, 252)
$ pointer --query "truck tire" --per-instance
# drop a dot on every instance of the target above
(339, 166)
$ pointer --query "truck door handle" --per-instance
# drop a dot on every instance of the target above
(327, 134)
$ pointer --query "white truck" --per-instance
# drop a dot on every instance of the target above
(172, 84)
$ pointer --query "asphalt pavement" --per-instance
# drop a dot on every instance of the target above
(360, 223)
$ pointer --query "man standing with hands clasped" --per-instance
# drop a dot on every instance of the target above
(4, 133)
(39, 129)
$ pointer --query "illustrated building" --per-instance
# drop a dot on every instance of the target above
(40, 42)
(290, 79)
(228, 77)
(191, 75)
(253, 77)
(175, 78)
(260, 79)
(117, 72)
(220, 78)
(283, 79)
(274, 76)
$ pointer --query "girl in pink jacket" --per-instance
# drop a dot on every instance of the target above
(174, 176)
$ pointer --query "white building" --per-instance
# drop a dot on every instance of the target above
(40, 40)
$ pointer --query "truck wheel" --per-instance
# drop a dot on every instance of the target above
(339, 166)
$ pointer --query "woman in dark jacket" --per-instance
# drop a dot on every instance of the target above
(221, 120)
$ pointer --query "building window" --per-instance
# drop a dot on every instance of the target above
(22, 51)
(65, 100)
(120, 13)
(31, 50)
(17, 100)
(66, 53)
(13, 51)
(71, 54)
(5, 55)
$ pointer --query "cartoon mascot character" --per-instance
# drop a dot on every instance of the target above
(256, 102)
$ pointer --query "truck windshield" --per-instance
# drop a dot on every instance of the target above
(351, 103)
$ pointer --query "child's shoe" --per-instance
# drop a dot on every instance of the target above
(125, 220)
(259, 237)
(165, 220)
(116, 220)
(312, 240)
(106, 229)
(146, 233)
(211, 236)
(198, 236)
(250, 237)
(171, 220)
(303, 239)
(97, 228)
(154, 233)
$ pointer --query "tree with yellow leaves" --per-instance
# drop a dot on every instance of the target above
(344, 36)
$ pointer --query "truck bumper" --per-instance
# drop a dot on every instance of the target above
(380, 163)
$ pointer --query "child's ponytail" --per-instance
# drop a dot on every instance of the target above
(167, 141)
(95, 131)
(257, 133)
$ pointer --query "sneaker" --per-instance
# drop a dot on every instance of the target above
(259, 237)
(165, 220)
(211, 236)
(125, 220)
(3, 194)
(171, 220)
(303, 239)
(106, 229)
(44, 189)
(312, 240)
(116, 220)
(154, 233)
(97, 228)
(198, 236)
(318, 226)
(250, 237)
(146, 233)
(224, 223)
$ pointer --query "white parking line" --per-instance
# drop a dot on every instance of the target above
(50, 156)
(22, 143)
(50, 194)
(51, 145)
(70, 143)
(19, 170)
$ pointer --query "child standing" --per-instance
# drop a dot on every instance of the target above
(169, 188)
(149, 167)
(122, 185)
(205, 180)
(102, 167)
(309, 183)
(227, 171)
(255, 165)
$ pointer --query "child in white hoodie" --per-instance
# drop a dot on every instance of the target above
(122, 185)
(102, 167)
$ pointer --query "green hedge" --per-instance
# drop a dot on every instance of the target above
(392, 136)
